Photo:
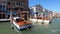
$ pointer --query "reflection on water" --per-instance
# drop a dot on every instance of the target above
(53, 28)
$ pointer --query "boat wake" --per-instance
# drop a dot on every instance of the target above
(16, 30)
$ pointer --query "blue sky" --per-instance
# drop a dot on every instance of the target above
(53, 5)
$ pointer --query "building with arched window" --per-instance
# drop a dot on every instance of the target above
(17, 7)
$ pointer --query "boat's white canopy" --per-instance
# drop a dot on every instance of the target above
(15, 18)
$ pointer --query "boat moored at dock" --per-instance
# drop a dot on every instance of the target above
(40, 21)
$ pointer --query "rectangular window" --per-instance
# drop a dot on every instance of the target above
(2, 8)
(0, 5)
(17, 3)
(8, 3)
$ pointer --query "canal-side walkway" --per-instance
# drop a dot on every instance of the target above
(4, 19)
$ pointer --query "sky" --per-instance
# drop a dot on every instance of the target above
(53, 5)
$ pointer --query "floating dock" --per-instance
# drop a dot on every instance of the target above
(4, 19)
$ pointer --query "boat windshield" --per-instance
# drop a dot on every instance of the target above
(19, 20)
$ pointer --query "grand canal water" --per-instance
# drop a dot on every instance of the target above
(53, 28)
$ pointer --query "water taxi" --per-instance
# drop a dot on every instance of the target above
(21, 24)
(40, 20)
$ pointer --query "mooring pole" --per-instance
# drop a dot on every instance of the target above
(10, 17)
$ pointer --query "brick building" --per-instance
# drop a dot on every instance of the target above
(17, 7)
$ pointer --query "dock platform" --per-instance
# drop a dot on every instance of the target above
(4, 19)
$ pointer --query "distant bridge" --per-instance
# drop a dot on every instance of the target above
(57, 16)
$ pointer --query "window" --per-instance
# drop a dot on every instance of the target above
(2, 7)
(8, 3)
(8, 13)
(8, 8)
(14, 14)
(17, 3)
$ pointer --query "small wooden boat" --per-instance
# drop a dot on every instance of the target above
(21, 24)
